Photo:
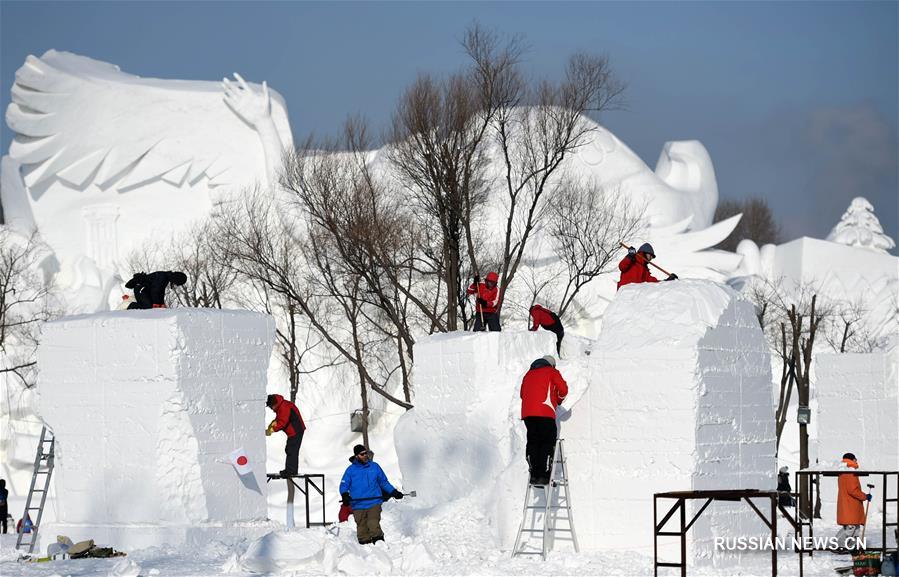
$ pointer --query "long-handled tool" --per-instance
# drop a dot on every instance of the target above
(867, 504)
(649, 261)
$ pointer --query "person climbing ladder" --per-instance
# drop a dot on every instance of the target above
(542, 390)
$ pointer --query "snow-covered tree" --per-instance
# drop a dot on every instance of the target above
(860, 227)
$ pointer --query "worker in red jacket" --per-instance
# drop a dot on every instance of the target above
(487, 302)
(850, 509)
(635, 266)
(289, 420)
(543, 317)
(542, 390)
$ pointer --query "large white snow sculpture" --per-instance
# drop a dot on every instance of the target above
(680, 399)
(860, 227)
(110, 160)
(146, 407)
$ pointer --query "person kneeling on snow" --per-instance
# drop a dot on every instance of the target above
(850, 512)
(635, 266)
(364, 487)
(149, 289)
(550, 321)
(542, 390)
(289, 420)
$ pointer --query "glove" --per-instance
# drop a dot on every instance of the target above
(477, 279)
(482, 302)
(345, 498)
(397, 495)
(631, 251)
(270, 429)
(672, 276)
(869, 496)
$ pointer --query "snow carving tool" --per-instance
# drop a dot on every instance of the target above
(650, 263)
(411, 494)
(864, 563)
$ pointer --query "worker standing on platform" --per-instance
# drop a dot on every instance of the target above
(542, 390)
(364, 486)
(850, 512)
(289, 420)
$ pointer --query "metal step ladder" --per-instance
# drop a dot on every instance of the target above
(40, 485)
(543, 519)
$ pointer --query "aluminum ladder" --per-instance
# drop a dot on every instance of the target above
(43, 467)
(556, 501)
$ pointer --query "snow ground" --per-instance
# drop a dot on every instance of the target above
(459, 553)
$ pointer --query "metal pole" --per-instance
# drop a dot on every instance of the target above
(683, 537)
(774, 535)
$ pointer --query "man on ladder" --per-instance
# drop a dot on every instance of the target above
(542, 390)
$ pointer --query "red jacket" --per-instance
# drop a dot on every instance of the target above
(287, 417)
(542, 390)
(491, 295)
(635, 270)
(541, 317)
(850, 498)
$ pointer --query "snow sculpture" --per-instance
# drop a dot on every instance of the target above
(146, 407)
(109, 159)
(860, 227)
(680, 399)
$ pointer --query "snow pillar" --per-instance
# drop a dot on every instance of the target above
(146, 407)
(679, 399)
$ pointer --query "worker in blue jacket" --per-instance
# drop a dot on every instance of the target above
(364, 486)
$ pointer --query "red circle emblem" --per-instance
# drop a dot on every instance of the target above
(242, 461)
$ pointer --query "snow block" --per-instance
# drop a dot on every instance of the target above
(464, 440)
(679, 399)
(858, 404)
(146, 407)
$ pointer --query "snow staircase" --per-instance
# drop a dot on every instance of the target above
(40, 485)
(543, 518)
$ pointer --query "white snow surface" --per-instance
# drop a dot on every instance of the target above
(146, 407)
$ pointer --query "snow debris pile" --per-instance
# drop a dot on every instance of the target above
(168, 395)
(679, 399)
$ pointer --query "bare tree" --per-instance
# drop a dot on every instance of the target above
(586, 225)
(533, 142)
(439, 135)
(265, 253)
(848, 331)
(792, 318)
(758, 222)
(26, 302)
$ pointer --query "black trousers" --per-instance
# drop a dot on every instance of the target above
(541, 443)
(3, 522)
(292, 463)
(490, 319)
(559, 331)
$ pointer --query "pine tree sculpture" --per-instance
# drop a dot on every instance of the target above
(860, 227)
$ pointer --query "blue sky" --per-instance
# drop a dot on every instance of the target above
(796, 101)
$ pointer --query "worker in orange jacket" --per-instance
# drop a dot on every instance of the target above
(850, 504)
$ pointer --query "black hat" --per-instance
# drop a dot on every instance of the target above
(270, 401)
(647, 248)
(849, 456)
(359, 449)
